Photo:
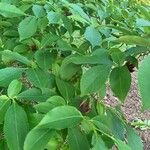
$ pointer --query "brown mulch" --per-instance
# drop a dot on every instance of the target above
(132, 109)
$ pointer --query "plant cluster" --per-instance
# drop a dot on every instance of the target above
(56, 59)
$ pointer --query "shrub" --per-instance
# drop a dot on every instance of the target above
(57, 57)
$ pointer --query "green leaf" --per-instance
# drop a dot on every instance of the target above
(93, 59)
(64, 46)
(27, 27)
(61, 117)
(144, 82)
(37, 139)
(110, 124)
(44, 59)
(84, 47)
(102, 92)
(102, 126)
(9, 74)
(38, 77)
(53, 17)
(98, 143)
(144, 11)
(16, 56)
(56, 100)
(103, 55)
(43, 24)
(142, 22)
(134, 51)
(3, 145)
(93, 79)
(34, 119)
(34, 94)
(44, 107)
(77, 10)
(21, 48)
(115, 123)
(51, 103)
(120, 81)
(68, 69)
(4, 105)
(66, 89)
(14, 88)
(135, 40)
(100, 108)
(11, 33)
(122, 29)
(15, 127)
(121, 145)
(93, 36)
(117, 56)
(77, 139)
(134, 140)
(67, 24)
(38, 11)
(10, 11)
(48, 39)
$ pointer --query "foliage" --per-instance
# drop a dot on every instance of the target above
(57, 57)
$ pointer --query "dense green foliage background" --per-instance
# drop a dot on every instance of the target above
(56, 58)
